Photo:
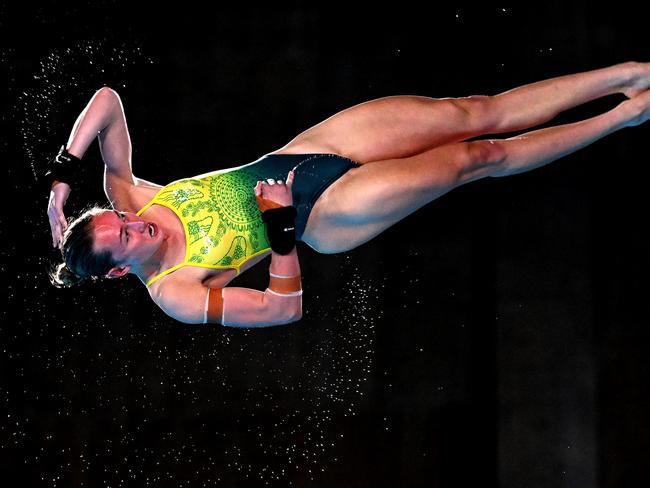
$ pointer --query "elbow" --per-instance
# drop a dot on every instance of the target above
(107, 92)
(186, 320)
(291, 315)
(295, 317)
(281, 309)
(296, 314)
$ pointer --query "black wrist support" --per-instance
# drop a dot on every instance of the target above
(280, 228)
(63, 167)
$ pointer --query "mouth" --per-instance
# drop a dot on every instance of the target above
(153, 229)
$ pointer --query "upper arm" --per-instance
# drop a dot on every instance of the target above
(242, 307)
(114, 139)
(115, 148)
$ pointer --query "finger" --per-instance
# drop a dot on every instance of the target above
(55, 233)
(262, 204)
(258, 188)
(290, 178)
(62, 221)
(271, 181)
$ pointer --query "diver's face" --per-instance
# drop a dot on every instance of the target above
(130, 239)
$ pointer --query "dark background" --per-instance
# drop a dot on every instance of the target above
(497, 336)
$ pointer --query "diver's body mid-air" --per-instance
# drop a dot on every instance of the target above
(334, 187)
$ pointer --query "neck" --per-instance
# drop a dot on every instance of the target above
(154, 264)
(170, 252)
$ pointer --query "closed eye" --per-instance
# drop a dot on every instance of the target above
(126, 231)
(122, 217)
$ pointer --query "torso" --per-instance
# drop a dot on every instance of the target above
(213, 278)
(132, 197)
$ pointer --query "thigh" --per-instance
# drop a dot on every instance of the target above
(367, 200)
(394, 127)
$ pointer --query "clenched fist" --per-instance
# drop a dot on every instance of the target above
(274, 193)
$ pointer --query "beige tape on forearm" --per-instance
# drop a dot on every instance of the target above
(285, 285)
(214, 306)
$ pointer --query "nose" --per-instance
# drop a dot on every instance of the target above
(136, 226)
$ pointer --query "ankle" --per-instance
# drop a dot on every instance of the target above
(631, 112)
(633, 78)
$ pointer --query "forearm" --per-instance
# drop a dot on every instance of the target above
(104, 107)
(285, 265)
(283, 296)
(284, 292)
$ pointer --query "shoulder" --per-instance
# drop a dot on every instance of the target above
(129, 196)
(181, 299)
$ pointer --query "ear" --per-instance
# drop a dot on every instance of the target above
(118, 271)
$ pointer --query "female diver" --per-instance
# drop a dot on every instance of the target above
(347, 179)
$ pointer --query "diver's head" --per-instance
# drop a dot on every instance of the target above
(106, 243)
(131, 241)
(81, 262)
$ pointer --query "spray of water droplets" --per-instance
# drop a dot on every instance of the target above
(335, 364)
(219, 405)
(311, 378)
(62, 75)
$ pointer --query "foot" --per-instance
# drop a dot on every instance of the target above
(637, 109)
(639, 79)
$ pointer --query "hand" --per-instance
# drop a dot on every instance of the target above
(274, 194)
(58, 224)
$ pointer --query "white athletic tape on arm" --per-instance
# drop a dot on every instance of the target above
(281, 276)
(286, 295)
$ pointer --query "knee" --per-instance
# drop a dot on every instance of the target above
(323, 246)
(473, 103)
(486, 152)
(479, 112)
(483, 158)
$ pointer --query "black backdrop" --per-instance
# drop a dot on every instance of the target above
(497, 336)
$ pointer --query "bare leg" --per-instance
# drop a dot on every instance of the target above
(369, 199)
(404, 126)
(537, 103)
